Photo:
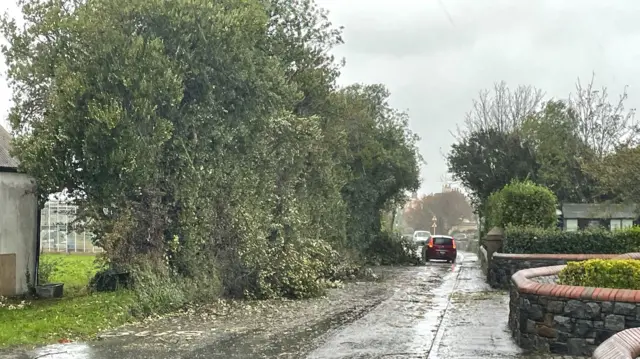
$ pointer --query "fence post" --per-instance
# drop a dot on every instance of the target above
(493, 243)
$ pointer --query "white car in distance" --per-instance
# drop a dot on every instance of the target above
(421, 237)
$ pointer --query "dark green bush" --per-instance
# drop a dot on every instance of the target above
(391, 248)
(110, 280)
(603, 273)
(593, 241)
(522, 204)
(160, 290)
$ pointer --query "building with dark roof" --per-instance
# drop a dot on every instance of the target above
(611, 216)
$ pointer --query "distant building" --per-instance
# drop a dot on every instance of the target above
(576, 216)
(18, 224)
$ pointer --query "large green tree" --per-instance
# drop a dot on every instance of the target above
(489, 159)
(513, 135)
(206, 138)
(561, 153)
(618, 173)
(381, 156)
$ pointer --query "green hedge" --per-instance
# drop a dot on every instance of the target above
(522, 204)
(602, 273)
(596, 241)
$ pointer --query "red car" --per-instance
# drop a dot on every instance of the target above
(440, 247)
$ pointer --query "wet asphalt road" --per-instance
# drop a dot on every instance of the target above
(434, 311)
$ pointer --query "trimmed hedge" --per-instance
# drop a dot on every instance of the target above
(522, 204)
(602, 273)
(596, 241)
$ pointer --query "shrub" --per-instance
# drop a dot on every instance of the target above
(159, 289)
(110, 280)
(47, 267)
(390, 248)
(297, 272)
(602, 273)
(592, 241)
(522, 204)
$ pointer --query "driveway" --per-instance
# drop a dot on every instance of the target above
(438, 310)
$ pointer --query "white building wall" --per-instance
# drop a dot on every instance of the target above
(571, 225)
(615, 224)
(18, 225)
(627, 223)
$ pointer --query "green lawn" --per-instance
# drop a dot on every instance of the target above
(78, 315)
(74, 271)
(48, 321)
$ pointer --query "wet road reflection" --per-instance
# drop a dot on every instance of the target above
(404, 325)
(438, 310)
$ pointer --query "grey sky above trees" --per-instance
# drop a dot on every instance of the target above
(436, 55)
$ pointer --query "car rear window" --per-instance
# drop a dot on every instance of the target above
(442, 241)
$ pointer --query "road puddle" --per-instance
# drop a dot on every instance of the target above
(63, 351)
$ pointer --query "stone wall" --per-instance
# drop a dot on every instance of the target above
(551, 318)
(502, 265)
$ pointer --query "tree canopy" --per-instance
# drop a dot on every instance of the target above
(561, 152)
(561, 144)
(207, 138)
(488, 159)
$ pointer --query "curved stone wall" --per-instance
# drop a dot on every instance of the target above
(553, 318)
(503, 265)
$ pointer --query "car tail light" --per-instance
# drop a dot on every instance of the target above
(453, 243)
(430, 242)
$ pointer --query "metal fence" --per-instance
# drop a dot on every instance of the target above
(56, 234)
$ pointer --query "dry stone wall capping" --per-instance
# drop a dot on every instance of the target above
(569, 320)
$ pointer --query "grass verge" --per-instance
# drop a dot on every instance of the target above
(77, 316)
(73, 318)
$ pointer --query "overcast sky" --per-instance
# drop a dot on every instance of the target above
(435, 56)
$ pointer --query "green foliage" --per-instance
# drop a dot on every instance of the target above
(617, 174)
(74, 271)
(602, 273)
(380, 157)
(158, 290)
(47, 268)
(522, 204)
(392, 248)
(207, 142)
(76, 318)
(561, 153)
(593, 241)
(488, 160)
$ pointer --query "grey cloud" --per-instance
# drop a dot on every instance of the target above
(434, 68)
